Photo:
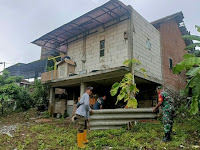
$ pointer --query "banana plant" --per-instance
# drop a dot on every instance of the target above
(191, 65)
(194, 38)
(126, 86)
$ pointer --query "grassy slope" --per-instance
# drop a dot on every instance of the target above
(59, 134)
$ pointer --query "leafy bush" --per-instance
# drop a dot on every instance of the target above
(39, 94)
(46, 114)
(11, 91)
(23, 99)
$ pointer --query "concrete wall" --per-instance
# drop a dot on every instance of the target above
(172, 47)
(116, 49)
(150, 58)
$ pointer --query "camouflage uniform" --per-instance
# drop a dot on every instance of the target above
(168, 112)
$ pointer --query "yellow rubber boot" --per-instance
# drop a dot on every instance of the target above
(80, 140)
(85, 141)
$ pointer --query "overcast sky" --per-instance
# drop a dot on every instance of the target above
(22, 21)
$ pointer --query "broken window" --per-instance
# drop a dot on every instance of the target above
(170, 63)
(102, 47)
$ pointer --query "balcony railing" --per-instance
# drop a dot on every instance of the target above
(48, 76)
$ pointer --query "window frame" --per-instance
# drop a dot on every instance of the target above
(102, 49)
(148, 44)
(170, 63)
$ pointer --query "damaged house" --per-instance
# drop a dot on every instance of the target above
(93, 48)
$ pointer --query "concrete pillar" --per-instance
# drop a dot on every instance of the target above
(82, 88)
(131, 31)
(84, 53)
(51, 100)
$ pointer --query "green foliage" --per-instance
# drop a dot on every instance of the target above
(148, 135)
(114, 89)
(193, 37)
(23, 98)
(10, 90)
(192, 46)
(197, 53)
(62, 135)
(187, 63)
(50, 68)
(191, 65)
(46, 114)
(194, 105)
(127, 87)
(39, 93)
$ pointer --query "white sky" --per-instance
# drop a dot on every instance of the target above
(23, 21)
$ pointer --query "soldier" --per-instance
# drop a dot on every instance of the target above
(82, 114)
(166, 102)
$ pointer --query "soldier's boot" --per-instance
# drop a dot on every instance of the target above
(166, 138)
(85, 141)
(80, 140)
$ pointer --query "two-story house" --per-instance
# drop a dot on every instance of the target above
(96, 45)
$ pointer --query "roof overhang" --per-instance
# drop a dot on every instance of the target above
(56, 39)
(177, 16)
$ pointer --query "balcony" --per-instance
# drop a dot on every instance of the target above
(61, 70)
(48, 76)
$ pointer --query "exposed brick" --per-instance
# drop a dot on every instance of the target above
(172, 46)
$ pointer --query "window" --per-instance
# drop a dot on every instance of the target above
(148, 44)
(102, 47)
(170, 63)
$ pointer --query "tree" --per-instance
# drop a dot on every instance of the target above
(10, 90)
(191, 47)
(39, 93)
(192, 66)
(127, 87)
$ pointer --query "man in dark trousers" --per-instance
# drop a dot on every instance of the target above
(166, 102)
(99, 103)
(82, 114)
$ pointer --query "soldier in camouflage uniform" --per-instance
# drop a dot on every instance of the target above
(166, 102)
